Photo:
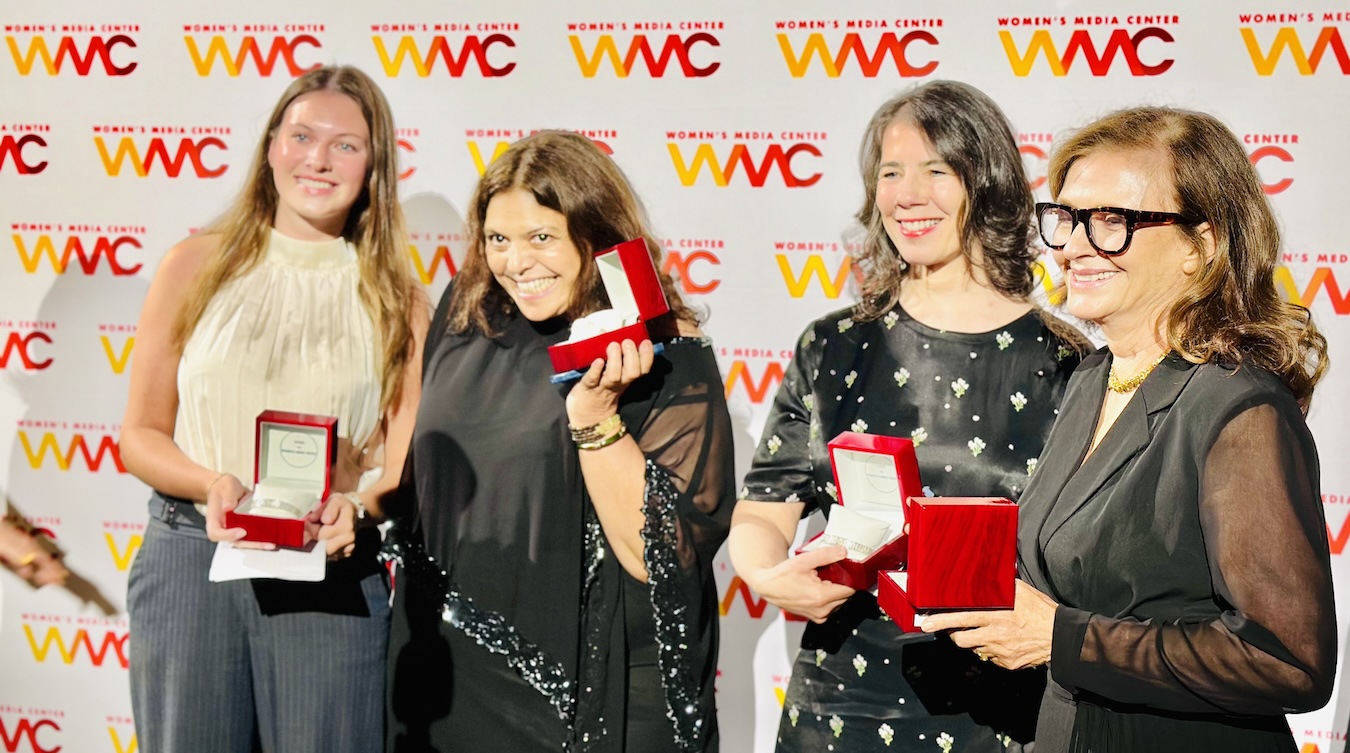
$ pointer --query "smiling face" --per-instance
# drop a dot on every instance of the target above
(530, 254)
(319, 156)
(1125, 294)
(920, 198)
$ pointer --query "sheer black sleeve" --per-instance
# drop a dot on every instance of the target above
(1272, 649)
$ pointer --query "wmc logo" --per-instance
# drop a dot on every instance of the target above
(1322, 282)
(20, 150)
(754, 372)
(1271, 156)
(429, 258)
(757, 156)
(654, 52)
(210, 54)
(831, 275)
(30, 734)
(93, 648)
(171, 154)
(485, 145)
(869, 52)
(45, 449)
(1289, 44)
(88, 252)
(63, 53)
(680, 257)
(456, 54)
(1099, 47)
(21, 348)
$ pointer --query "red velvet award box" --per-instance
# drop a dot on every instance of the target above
(635, 293)
(873, 476)
(962, 555)
(293, 474)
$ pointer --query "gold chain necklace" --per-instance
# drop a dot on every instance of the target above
(1116, 384)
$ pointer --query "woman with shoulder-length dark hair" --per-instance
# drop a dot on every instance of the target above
(1173, 546)
(557, 542)
(945, 347)
(298, 299)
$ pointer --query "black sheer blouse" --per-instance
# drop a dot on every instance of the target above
(516, 621)
(1190, 558)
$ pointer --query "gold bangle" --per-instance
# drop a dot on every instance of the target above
(596, 432)
(604, 441)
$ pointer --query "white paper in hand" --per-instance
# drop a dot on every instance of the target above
(234, 563)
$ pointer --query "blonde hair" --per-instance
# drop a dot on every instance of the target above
(565, 172)
(374, 226)
(1230, 310)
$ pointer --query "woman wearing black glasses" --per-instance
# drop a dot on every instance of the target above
(1172, 541)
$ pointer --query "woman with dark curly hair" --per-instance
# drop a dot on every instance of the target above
(946, 348)
(1173, 545)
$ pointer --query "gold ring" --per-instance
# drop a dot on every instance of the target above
(27, 559)
(983, 656)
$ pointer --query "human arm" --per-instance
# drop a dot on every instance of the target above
(339, 517)
(1272, 649)
(23, 554)
(146, 443)
(761, 533)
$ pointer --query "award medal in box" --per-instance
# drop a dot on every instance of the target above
(874, 475)
(293, 475)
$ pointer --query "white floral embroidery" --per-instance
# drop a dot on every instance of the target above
(859, 426)
(845, 324)
(890, 319)
(918, 435)
(1004, 339)
(851, 378)
(808, 337)
(793, 713)
(1061, 353)
(820, 656)
(793, 497)
(976, 446)
(744, 492)
(886, 733)
(1019, 401)
(837, 725)
(830, 490)
(860, 664)
(810, 402)
(945, 742)
(774, 443)
(902, 377)
(959, 387)
(1031, 465)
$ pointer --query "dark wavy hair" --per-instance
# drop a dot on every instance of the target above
(1230, 310)
(565, 172)
(971, 134)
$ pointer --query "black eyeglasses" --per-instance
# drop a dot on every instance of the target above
(1109, 229)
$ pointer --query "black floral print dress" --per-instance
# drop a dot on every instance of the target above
(979, 408)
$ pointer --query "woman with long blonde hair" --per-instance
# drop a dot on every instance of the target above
(299, 299)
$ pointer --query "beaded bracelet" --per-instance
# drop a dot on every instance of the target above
(588, 434)
(604, 441)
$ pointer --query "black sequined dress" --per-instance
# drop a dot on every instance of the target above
(979, 408)
(515, 628)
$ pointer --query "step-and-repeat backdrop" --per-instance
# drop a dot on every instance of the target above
(126, 126)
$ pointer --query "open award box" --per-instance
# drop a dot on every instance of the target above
(293, 474)
(635, 298)
(962, 555)
(874, 475)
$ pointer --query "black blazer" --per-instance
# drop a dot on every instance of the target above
(1190, 560)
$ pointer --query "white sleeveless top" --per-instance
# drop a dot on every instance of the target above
(291, 335)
